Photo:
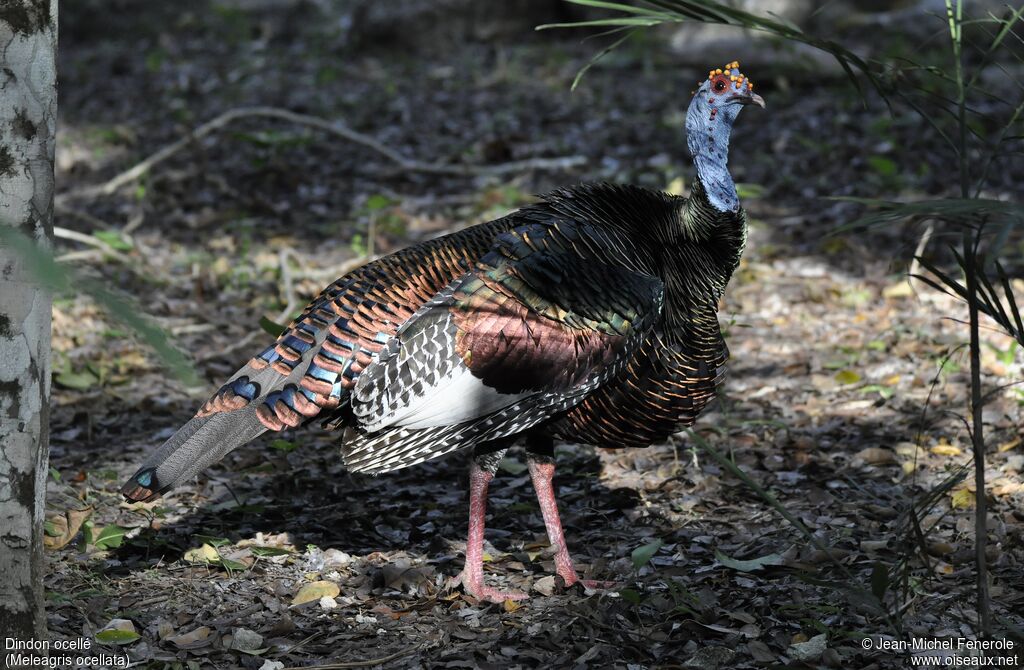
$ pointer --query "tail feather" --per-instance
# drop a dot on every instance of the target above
(216, 430)
(197, 445)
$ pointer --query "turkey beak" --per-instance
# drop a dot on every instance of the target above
(753, 99)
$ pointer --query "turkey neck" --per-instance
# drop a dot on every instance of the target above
(707, 137)
(696, 266)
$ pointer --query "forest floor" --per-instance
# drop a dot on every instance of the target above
(844, 399)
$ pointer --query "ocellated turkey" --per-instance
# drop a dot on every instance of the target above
(589, 317)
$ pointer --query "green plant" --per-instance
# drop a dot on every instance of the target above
(61, 280)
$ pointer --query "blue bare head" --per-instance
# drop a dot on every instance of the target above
(714, 108)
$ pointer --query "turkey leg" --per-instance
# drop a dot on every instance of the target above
(473, 574)
(542, 472)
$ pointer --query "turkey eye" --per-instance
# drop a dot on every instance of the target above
(719, 85)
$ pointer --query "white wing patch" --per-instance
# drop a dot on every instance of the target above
(455, 398)
(419, 380)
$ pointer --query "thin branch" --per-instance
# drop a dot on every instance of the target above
(370, 662)
(335, 128)
(89, 240)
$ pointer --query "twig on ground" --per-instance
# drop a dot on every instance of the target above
(192, 329)
(106, 249)
(230, 619)
(335, 128)
(89, 255)
(361, 664)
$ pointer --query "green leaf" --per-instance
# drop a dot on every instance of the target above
(749, 191)
(78, 381)
(642, 555)
(110, 537)
(847, 377)
(114, 636)
(750, 565)
(232, 566)
(270, 551)
(883, 166)
(708, 11)
(87, 533)
(959, 211)
(113, 239)
(212, 540)
(616, 6)
(638, 21)
(271, 327)
(378, 202)
(885, 391)
(630, 595)
(284, 445)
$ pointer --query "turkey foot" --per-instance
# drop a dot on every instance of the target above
(473, 584)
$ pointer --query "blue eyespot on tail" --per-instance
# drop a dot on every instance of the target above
(142, 487)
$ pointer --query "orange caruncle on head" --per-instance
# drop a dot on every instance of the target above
(729, 80)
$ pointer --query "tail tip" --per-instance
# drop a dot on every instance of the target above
(142, 487)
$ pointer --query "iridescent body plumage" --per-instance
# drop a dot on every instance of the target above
(590, 316)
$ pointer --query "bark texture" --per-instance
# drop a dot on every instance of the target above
(28, 113)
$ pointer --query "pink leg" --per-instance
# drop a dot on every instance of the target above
(473, 574)
(542, 472)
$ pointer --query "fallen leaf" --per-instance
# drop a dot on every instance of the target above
(643, 554)
(203, 554)
(876, 455)
(315, 591)
(545, 585)
(118, 631)
(901, 289)
(946, 450)
(200, 637)
(62, 528)
(1006, 446)
(750, 565)
(961, 499)
(110, 537)
(847, 377)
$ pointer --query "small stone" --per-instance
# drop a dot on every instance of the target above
(334, 559)
(245, 639)
(710, 658)
(327, 603)
(808, 651)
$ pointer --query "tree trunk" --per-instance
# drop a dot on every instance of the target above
(28, 121)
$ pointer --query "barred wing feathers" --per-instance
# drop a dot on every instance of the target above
(528, 333)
